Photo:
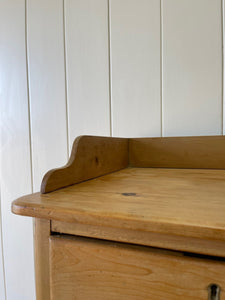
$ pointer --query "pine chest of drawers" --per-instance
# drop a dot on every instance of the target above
(132, 219)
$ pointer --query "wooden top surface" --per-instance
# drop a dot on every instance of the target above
(184, 202)
(94, 156)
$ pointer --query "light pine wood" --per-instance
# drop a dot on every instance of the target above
(181, 209)
(46, 86)
(211, 247)
(204, 152)
(135, 67)
(91, 269)
(94, 156)
(42, 274)
(181, 202)
(87, 65)
(91, 157)
(192, 65)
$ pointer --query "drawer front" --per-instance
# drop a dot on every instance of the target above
(84, 268)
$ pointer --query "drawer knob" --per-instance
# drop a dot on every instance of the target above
(214, 291)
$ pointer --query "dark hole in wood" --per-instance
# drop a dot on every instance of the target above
(96, 160)
(129, 194)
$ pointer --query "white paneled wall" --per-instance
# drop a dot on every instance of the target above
(104, 67)
(192, 67)
(135, 67)
(87, 64)
(47, 88)
(16, 178)
(2, 275)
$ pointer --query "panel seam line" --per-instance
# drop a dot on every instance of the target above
(223, 54)
(110, 68)
(28, 98)
(161, 72)
(66, 83)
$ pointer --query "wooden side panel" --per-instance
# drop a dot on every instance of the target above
(42, 234)
(178, 152)
(15, 151)
(135, 67)
(91, 157)
(46, 86)
(192, 67)
(90, 269)
(87, 67)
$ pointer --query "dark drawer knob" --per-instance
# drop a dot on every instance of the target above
(214, 292)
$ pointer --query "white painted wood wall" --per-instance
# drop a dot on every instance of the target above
(103, 67)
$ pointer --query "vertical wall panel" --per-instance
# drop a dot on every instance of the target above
(223, 63)
(135, 67)
(47, 86)
(2, 278)
(192, 67)
(87, 67)
(15, 151)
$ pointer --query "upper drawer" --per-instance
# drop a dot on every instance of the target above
(83, 268)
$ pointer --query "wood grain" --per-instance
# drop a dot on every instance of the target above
(185, 202)
(94, 156)
(91, 269)
(206, 152)
(91, 157)
(146, 238)
(42, 275)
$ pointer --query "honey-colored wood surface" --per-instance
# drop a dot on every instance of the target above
(42, 275)
(204, 152)
(92, 269)
(91, 157)
(182, 202)
(146, 238)
(94, 156)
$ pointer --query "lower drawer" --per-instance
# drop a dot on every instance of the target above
(83, 268)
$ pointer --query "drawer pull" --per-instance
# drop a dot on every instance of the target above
(214, 292)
